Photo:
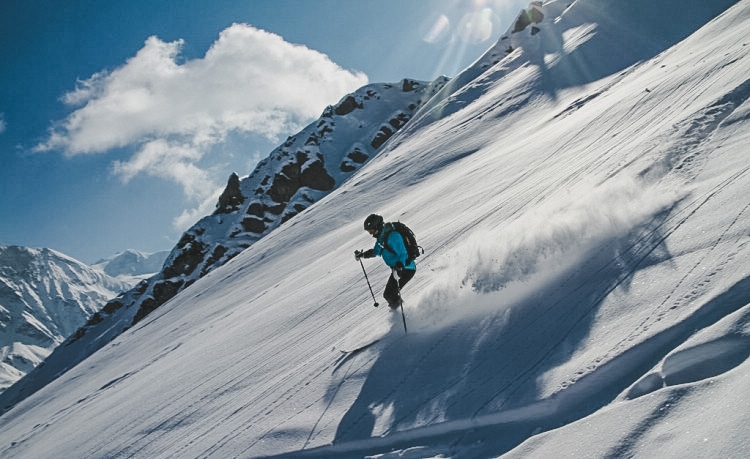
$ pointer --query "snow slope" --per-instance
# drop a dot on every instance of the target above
(585, 291)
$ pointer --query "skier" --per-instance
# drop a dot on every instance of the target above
(389, 245)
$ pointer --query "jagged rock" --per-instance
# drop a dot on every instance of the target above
(216, 256)
(253, 225)
(399, 121)
(166, 290)
(96, 318)
(112, 306)
(231, 199)
(298, 174)
(313, 139)
(276, 209)
(357, 156)
(381, 137)
(284, 186)
(529, 16)
(288, 216)
(409, 85)
(190, 253)
(316, 176)
(348, 105)
(148, 305)
(255, 209)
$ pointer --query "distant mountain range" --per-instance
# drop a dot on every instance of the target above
(45, 296)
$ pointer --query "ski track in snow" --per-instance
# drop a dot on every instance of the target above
(586, 269)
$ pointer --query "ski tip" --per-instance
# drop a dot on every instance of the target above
(359, 349)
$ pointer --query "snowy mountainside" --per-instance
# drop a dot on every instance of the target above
(44, 297)
(295, 175)
(585, 290)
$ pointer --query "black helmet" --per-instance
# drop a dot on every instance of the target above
(374, 222)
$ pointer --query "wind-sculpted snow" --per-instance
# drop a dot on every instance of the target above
(723, 343)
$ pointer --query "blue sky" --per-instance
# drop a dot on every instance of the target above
(121, 121)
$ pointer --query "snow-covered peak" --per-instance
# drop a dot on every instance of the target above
(132, 264)
(45, 296)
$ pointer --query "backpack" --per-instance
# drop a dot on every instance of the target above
(413, 250)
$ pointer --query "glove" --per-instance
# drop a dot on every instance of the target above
(397, 270)
(360, 254)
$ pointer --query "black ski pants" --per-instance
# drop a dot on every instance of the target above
(391, 293)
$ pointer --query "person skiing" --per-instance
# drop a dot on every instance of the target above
(389, 245)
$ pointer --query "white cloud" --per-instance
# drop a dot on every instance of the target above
(172, 111)
(3, 126)
(175, 162)
(188, 217)
(249, 80)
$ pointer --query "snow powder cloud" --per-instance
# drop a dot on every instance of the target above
(502, 266)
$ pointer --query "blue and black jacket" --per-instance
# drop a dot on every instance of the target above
(393, 250)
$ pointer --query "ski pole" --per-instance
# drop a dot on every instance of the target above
(368, 284)
(403, 316)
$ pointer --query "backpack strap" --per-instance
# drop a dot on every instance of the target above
(387, 230)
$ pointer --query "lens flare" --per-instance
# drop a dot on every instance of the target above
(478, 26)
(439, 30)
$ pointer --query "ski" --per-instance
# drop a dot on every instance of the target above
(349, 354)
(359, 348)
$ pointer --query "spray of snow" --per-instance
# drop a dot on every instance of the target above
(501, 266)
